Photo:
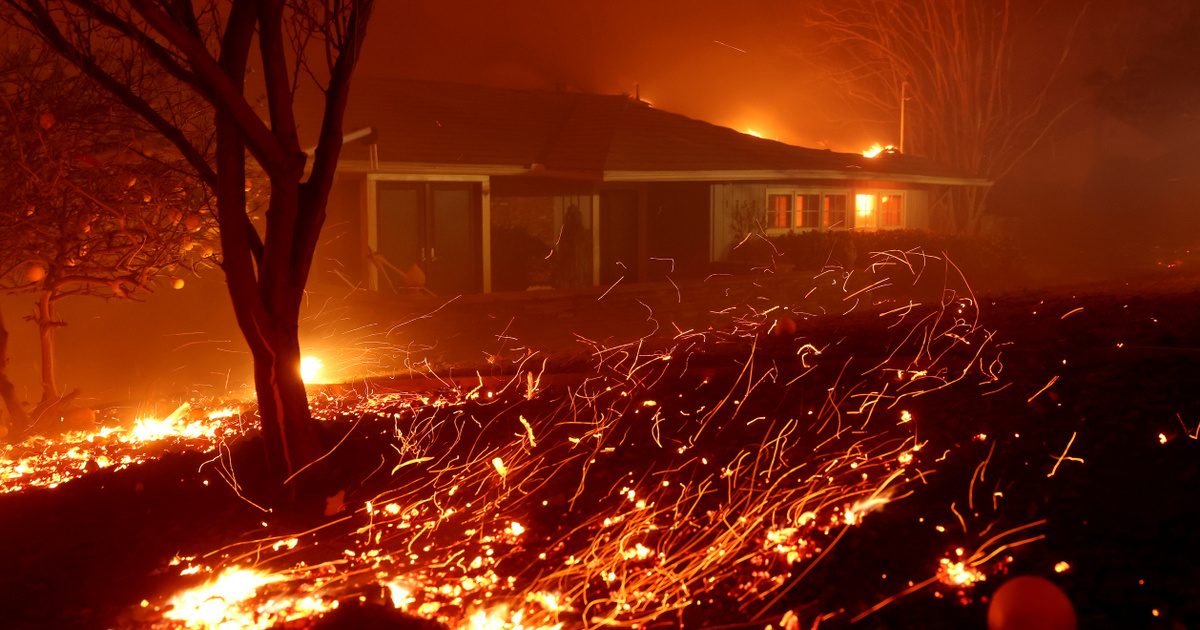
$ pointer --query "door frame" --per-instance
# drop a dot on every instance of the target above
(371, 229)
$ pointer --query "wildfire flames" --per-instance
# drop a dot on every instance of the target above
(48, 462)
(878, 149)
(713, 471)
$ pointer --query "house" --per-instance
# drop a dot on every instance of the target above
(464, 189)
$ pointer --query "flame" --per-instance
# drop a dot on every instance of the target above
(879, 149)
(48, 462)
(958, 573)
(229, 601)
(310, 369)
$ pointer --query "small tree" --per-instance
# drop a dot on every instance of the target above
(206, 47)
(86, 208)
(975, 97)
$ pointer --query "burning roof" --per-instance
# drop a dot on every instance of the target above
(588, 136)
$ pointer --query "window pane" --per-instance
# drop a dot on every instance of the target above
(835, 211)
(779, 211)
(808, 211)
(864, 210)
(890, 210)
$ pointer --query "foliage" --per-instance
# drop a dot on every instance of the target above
(208, 49)
(88, 206)
(815, 249)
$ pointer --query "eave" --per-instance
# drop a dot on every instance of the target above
(789, 174)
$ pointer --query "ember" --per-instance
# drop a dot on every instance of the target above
(50, 461)
(498, 528)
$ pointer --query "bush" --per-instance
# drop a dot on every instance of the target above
(814, 250)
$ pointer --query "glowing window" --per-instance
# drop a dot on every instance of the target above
(835, 211)
(891, 209)
(779, 211)
(808, 210)
(865, 217)
(864, 205)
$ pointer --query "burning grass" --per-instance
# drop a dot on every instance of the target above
(695, 481)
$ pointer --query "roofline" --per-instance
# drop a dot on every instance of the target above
(772, 174)
(434, 168)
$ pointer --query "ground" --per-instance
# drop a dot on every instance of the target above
(1077, 428)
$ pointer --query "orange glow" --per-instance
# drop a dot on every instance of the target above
(752, 132)
(877, 149)
(864, 203)
(958, 573)
(435, 542)
(310, 369)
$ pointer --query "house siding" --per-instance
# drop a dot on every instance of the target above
(341, 253)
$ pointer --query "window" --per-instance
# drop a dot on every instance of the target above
(835, 212)
(891, 207)
(864, 211)
(808, 210)
(779, 210)
(800, 209)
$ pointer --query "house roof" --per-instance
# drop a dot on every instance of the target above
(602, 137)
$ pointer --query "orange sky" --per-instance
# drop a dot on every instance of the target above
(734, 63)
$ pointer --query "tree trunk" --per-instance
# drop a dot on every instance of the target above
(288, 430)
(46, 325)
(20, 421)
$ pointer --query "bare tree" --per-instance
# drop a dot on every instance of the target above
(207, 46)
(8, 394)
(86, 206)
(975, 98)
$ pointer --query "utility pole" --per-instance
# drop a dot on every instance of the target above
(903, 98)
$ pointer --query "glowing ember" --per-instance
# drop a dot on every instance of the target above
(698, 514)
(615, 500)
(958, 573)
(42, 461)
(229, 601)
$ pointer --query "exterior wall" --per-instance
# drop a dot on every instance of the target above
(917, 209)
(341, 253)
(732, 212)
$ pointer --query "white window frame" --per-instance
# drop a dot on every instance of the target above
(879, 194)
(821, 193)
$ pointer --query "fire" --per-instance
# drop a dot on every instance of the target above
(958, 573)
(153, 430)
(310, 369)
(878, 149)
(42, 461)
(230, 601)
(652, 500)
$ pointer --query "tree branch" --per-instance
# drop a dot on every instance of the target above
(222, 91)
